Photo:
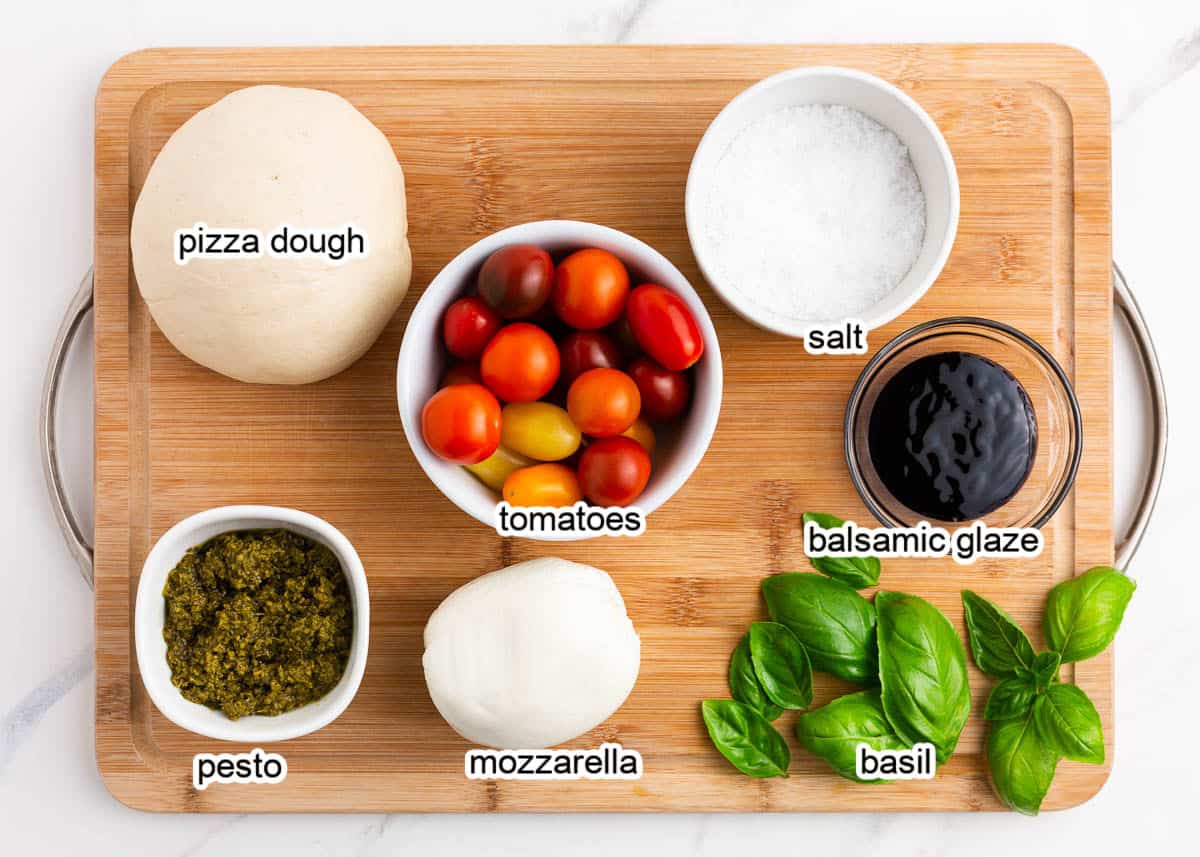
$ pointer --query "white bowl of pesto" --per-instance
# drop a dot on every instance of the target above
(150, 617)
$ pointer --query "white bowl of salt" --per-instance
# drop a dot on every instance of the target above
(821, 195)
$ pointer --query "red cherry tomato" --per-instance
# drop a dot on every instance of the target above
(516, 280)
(590, 287)
(664, 393)
(603, 402)
(584, 350)
(468, 326)
(664, 327)
(462, 373)
(521, 363)
(614, 471)
(462, 423)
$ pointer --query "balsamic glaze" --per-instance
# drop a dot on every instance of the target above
(953, 436)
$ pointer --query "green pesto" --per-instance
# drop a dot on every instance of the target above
(257, 622)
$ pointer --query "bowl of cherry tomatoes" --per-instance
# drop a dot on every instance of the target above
(556, 362)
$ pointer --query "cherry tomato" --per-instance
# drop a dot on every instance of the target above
(521, 363)
(468, 326)
(515, 280)
(603, 402)
(622, 334)
(538, 429)
(664, 327)
(543, 485)
(590, 287)
(614, 471)
(584, 350)
(462, 373)
(462, 423)
(498, 466)
(642, 433)
(664, 393)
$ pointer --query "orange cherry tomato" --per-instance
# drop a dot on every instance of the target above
(642, 433)
(614, 471)
(664, 327)
(590, 287)
(521, 363)
(603, 402)
(461, 423)
(542, 485)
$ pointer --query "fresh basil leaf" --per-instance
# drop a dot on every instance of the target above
(745, 738)
(834, 623)
(834, 731)
(1012, 697)
(781, 665)
(1021, 765)
(744, 684)
(922, 671)
(1068, 723)
(1084, 613)
(998, 644)
(1045, 669)
(858, 572)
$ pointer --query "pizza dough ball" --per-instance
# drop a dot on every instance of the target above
(531, 655)
(258, 159)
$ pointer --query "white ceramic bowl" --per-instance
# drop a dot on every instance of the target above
(422, 360)
(888, 106)
(151, 608)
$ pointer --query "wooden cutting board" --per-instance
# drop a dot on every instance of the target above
(490, 137)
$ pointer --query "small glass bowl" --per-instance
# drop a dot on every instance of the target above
(1059, 423)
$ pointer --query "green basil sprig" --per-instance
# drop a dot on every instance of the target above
(781, 665)
(999, 646)
(1069, 724)
(1021, 765)
(922, 672)
(835, 624)
(744, 684)
(834, 731)
(1045, 669)
(858, 572)
(746, 738)
(1012, 697)
(1084, 613)
(1037, 720)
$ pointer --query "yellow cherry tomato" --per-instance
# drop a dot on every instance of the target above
(497, 467)
(642, 433)
(539, 430)
(543, 485)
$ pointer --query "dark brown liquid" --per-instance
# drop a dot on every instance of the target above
(953, 436)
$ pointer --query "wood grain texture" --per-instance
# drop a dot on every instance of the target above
(491, 137)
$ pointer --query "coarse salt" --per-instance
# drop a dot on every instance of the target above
(814, 213)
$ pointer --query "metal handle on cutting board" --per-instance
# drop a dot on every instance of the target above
(1126, 304)
(81, 548)
(77, 540)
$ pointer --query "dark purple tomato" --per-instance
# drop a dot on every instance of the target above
(516, 280)
(664, 393)
(584, 350)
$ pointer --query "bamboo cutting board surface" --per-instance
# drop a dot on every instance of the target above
(491, 137)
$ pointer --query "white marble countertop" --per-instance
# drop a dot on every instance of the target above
(52, 800)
